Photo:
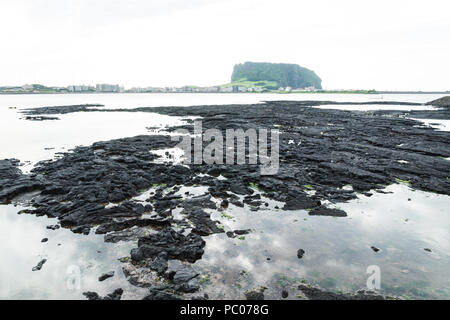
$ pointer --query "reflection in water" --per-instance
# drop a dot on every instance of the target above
(40, 140)
(338, 250)
(67, 255)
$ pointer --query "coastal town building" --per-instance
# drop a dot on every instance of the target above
(109, 88)
(82, 88)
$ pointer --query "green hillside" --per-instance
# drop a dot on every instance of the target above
(281, 74)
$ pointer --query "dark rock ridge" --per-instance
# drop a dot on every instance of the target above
(443, 102)
(60, 109)
(40, 118)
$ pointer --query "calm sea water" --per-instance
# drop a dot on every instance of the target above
(337, 249)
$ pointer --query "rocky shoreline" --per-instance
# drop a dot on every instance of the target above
(334, 153)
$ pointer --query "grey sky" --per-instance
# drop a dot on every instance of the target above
(394, 45)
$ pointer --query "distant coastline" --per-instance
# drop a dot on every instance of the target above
(249, 92)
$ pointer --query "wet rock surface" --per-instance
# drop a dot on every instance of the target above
(314, 293)
(93, 188)
(105, 276)
(39, 265)
(40, 118)
(115, 295)
(174, 244)
(443, 102)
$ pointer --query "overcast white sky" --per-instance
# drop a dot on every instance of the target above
(393, 45)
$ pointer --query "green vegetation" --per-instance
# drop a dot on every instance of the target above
(268, 85)
(33, 88)
(284, 74)
(204, 280)
(225, 215)
(156, 185)
(402, 181)
(254, 186)
(308, 187)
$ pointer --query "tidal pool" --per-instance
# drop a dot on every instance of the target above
(402, 224)
(74, 262)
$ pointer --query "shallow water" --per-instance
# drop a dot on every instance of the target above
(74, 261)
(337, 249)
(135, 100)
(33, 141)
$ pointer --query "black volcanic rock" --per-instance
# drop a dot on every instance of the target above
(324, 211)
(176, 245)
(105, 276)
(443, 102)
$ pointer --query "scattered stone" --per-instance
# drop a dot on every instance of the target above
(106, 276)
(53, 227)
(255, 294)
(284, 294)
(39, 265)
(44, 240)
(242, 232)
(427, 249)
(300, 253)
(375, 249)
(40, 118)
(115, 295)
(324, 211)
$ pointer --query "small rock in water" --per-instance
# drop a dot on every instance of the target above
(106, 276)
(53, 227)
(375, 249)
(115, 295)
(300, 253)
(224, 204)
(427, 249)
(254, 295)
(39, 265)
(44, 240)
(284, 294)
(91, 295)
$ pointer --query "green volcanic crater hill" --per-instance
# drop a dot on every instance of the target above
(283, 74)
